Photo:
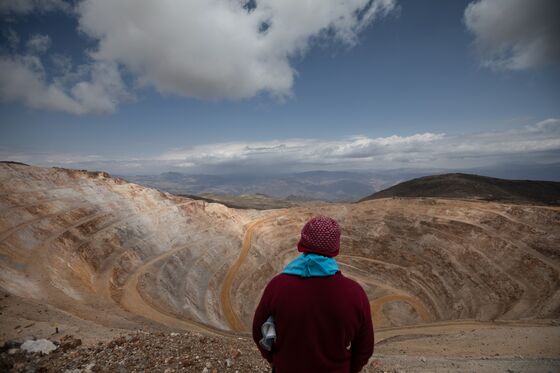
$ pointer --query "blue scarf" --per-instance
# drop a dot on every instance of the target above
(311, 265)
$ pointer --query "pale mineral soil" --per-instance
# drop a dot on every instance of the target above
(453, 285)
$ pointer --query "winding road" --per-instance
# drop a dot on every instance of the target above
(133, 301)
(230, 315)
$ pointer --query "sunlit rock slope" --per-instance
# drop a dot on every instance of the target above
(121, 254)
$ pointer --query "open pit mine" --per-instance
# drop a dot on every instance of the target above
(122, 255)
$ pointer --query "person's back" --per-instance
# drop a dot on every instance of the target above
(322, 319)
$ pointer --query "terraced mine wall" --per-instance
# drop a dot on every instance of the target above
(121, 254)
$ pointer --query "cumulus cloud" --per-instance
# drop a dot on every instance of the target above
(293, 151)
(19, 7)
(538, 142)
(418, 150)
(91, 88)
(38, 44)
(548, 126)
(515, 34)
(216, 49)
(360, 152)
(219, 49)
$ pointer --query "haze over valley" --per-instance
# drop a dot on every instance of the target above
(333, 186)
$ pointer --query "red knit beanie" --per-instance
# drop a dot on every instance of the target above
(321, 235)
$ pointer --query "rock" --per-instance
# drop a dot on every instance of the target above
(13, 351)
(208, 365)
(175, 334)
(229, 362)
(423, 359)
(69, 343)
(117, 342)
(11, 343)
(43, 346)
(89, 368)
(205, 370)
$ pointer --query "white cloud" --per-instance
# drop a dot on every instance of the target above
(547, 126)
(92, 88)
(38, 44)
(422, 150)
(28, 6)
(211, 49)
(515, 34)
(218, 49)
(539, 142)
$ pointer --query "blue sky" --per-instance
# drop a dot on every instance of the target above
(452, 84)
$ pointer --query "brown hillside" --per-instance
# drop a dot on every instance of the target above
(466, 186)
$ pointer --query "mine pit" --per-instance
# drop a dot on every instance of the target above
(117, 253)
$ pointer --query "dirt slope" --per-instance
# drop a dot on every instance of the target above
(123, 257)
(465, 186)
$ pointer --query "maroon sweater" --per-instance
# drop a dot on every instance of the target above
(323, 324)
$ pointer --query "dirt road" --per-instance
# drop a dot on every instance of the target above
(230, 315)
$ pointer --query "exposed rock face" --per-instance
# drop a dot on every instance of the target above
(112, 252)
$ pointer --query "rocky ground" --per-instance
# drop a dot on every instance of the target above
(140, 352)
(83, 345)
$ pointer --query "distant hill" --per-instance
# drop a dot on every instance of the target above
(304, 186)
(254, 201)
(467, 186)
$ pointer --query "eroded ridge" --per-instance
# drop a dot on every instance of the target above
(121, 254)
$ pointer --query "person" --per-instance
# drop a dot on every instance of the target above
(322, 319)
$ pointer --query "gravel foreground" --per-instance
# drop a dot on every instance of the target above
(140, 352)
(193, 352)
